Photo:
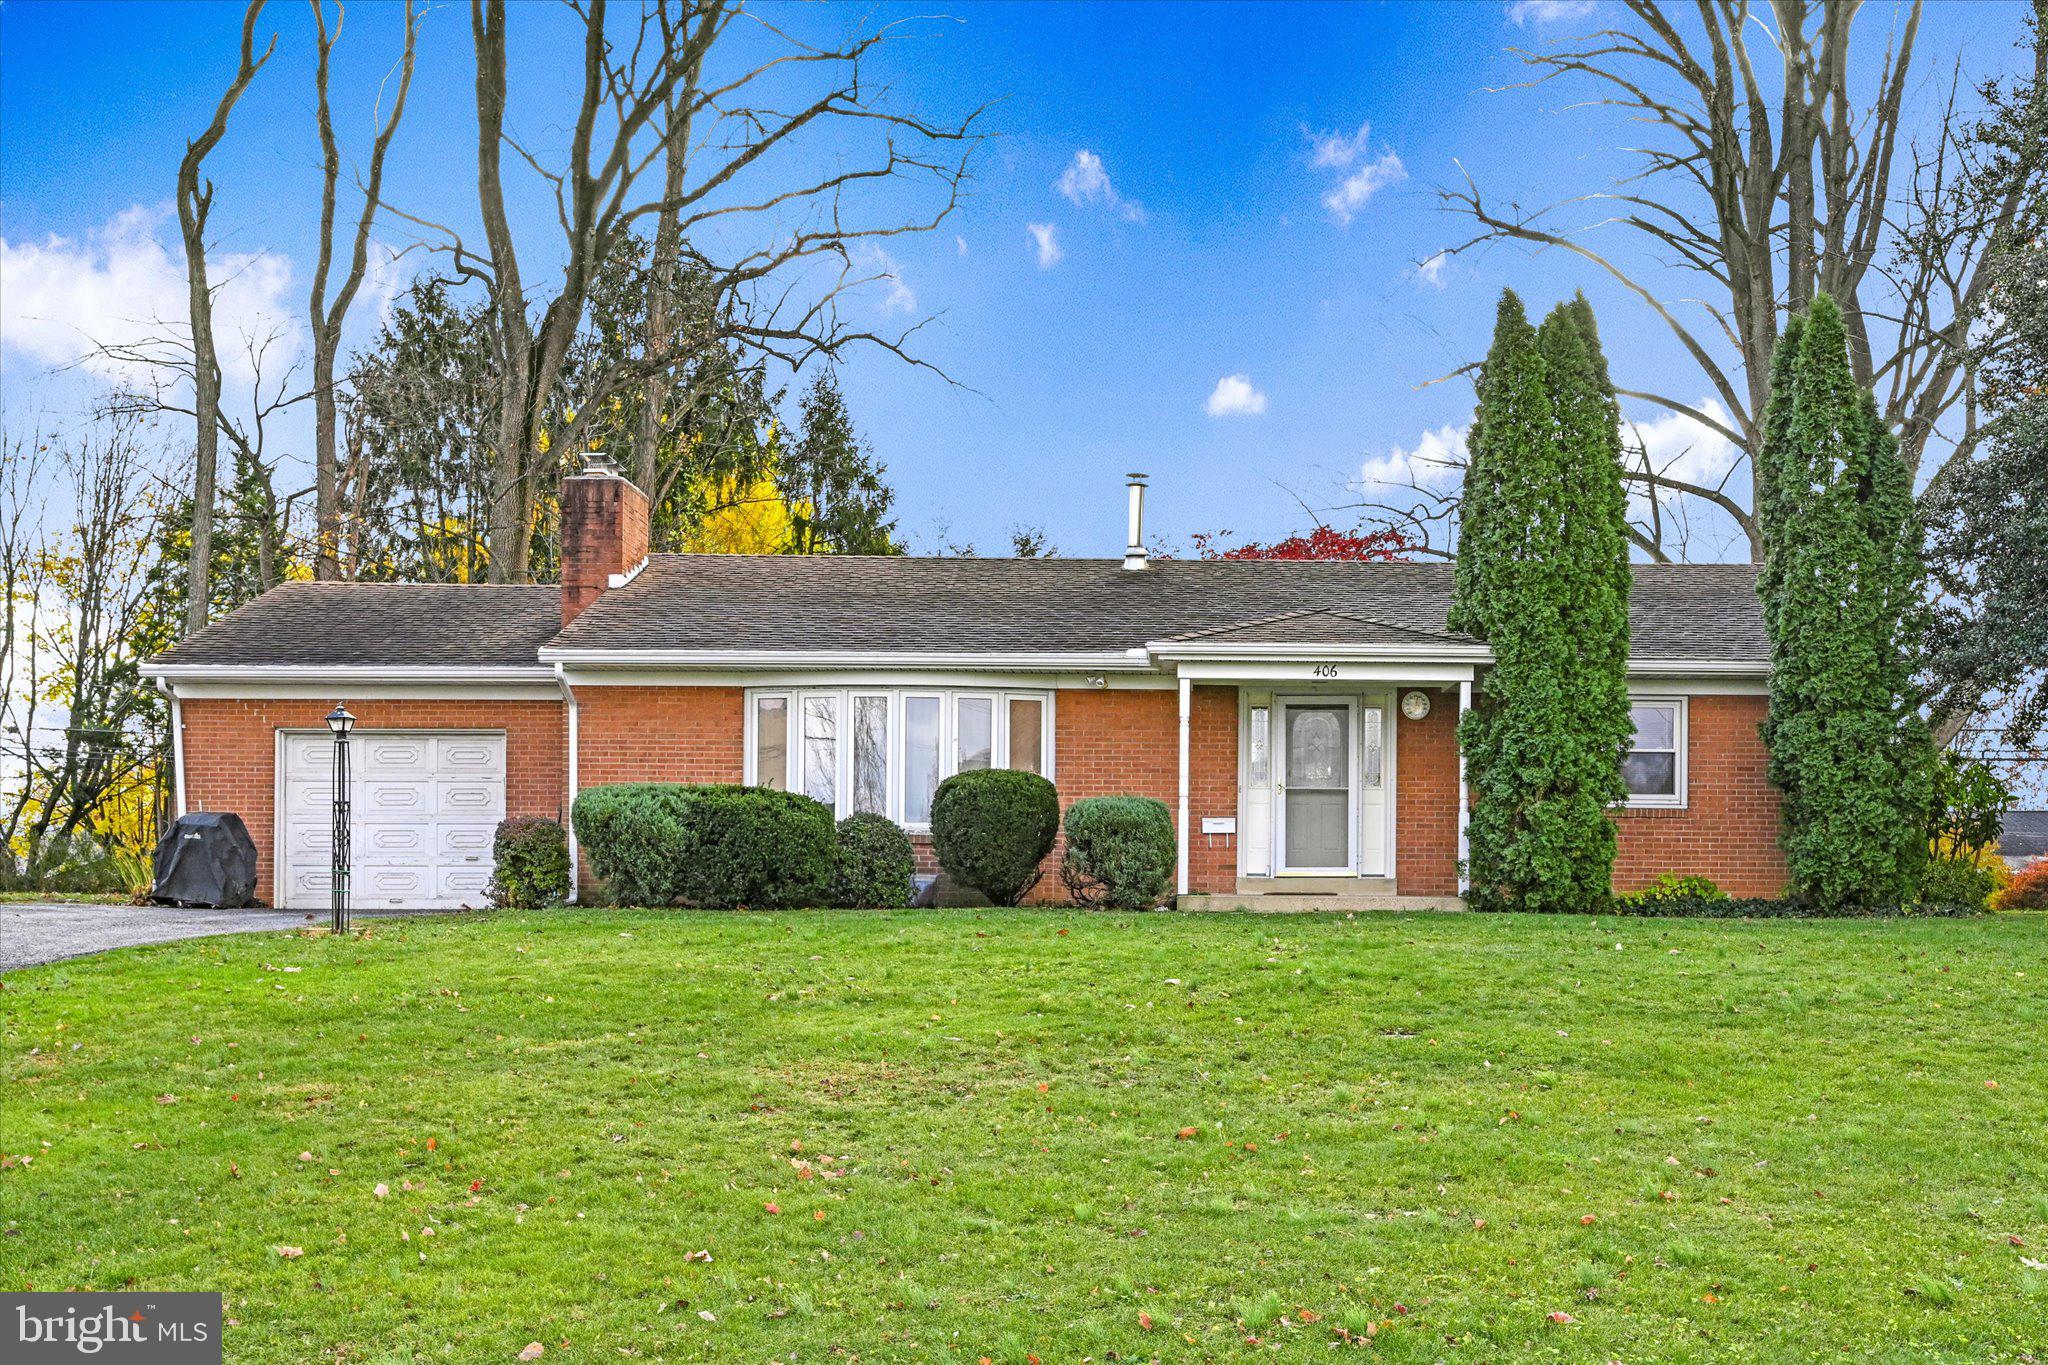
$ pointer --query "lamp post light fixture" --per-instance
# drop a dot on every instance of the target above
(340, 723)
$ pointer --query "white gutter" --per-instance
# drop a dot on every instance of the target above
(1127, 661)
(325, 673)
(1719, 668)
(1187, 688)
(165, 686)
(1464, 798)
(571, 705)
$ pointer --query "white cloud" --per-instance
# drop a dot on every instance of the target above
(1683, 448)
(1046, 242)
(1368, 174)
(1431, 271)
(62, 298)
(1437, 461)
(1084, 181)
(1543, 11)
(900, 298)
(1234, 396)
(960, 244)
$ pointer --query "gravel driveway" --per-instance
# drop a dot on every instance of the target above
(37, 933)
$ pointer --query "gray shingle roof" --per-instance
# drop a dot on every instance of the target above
(446, 625)
(1705, 612)
(1695, 612)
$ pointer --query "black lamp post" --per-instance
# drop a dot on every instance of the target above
(340, 722)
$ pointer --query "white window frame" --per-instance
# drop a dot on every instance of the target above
(1681, 732)
(949, 700)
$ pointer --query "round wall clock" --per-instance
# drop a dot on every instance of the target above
(1415, 705)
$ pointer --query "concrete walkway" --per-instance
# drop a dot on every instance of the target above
(35, 933)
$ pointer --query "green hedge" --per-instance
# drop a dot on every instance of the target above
(992, 827)
(1120, 852)
(532, 856)
(872, 867)
(717, 847)
(1764, 907)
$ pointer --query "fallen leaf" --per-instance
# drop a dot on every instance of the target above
(1563, 1319)
(1587, 1220)
(305, 1156)
(707, 1315)
(381, 1189)
(432, 1143)
(534, 1351)
(772, 1208)
(1144, 1322)
(1184, 1134)
(290, 1253)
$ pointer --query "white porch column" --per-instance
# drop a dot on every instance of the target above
(1464, 796)
(1187, 689)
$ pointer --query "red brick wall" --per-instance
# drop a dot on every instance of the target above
(1426, 798)
(1729, 827)
(604, 531)
(231, 753)
(660, 734)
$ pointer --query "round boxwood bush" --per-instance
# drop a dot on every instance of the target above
(873, 865)
(717, 847)
(1120, 852)
(532, 855)
(992, 827)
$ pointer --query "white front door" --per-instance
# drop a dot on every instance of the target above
(1313, 780)
(425, 808)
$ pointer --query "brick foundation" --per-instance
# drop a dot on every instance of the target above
(231, 754)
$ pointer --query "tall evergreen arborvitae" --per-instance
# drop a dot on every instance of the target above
(1542, 577)
(1842, 590)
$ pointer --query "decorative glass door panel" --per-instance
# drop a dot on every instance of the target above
(1316, 776)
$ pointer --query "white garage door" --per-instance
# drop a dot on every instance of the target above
(426, 807)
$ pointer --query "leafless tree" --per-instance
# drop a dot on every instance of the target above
(655, 96)
(195, 206)
(1771, 177)
(327, 315)
(76, 721)
(160, 380)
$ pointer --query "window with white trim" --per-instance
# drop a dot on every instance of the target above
(885, 750)
(1653, 766)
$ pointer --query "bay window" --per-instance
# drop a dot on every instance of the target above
(885, 751)
(1654, 765)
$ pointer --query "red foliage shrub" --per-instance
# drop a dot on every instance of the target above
(2028, 889)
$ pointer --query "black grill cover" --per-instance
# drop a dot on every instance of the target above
(206, 858)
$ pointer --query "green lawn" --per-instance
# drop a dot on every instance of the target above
(993, 1133)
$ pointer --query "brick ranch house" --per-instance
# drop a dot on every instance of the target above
(1299, 717)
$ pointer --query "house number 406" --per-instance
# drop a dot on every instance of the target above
(1326, 670)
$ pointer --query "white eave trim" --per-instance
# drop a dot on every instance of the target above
(359, 673)
(1699, 668)
(1129, 661)
(1197, 650)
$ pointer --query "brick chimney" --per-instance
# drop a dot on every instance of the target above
(604, 533)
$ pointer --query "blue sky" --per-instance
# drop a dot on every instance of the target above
(1216, 251)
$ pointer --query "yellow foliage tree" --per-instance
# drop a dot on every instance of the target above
(744, 517)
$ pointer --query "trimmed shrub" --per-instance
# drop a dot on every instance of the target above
(1967, 877)
(533, 864)
(1120, 852)
(2028, 890)
(872, 865)
(715, 847)
(992, 827)
(1668, 888)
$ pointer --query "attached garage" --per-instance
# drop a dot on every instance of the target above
(425, 806)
